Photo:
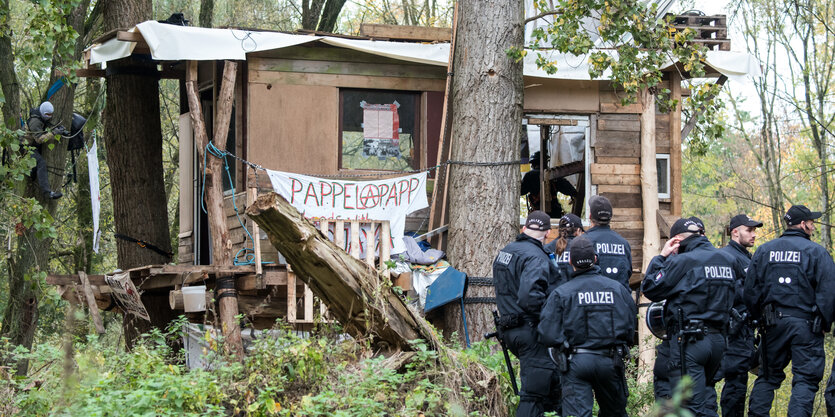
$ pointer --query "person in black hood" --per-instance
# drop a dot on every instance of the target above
(741, 354)
(523, 273)
(790, 290)
(613, 251)
(591, 319)
(697, 280)
(570, 227)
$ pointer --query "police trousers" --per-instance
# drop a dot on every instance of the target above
(790, 340)
(660, 374)
(593, 376)
(540, 385)
(739, 358)
(703, 359)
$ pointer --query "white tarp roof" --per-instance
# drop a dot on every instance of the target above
(174, 43)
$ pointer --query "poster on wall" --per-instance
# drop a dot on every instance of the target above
(126, 295)
(380, 130)
(388, 199)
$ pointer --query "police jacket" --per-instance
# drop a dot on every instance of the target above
(521, 273)
(794, 274)
(613, 253)
(590, 311)
(699, 280)
(563, 266)
(742, 259)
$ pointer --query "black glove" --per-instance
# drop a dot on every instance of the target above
(59, 130)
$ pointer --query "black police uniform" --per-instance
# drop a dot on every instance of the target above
(563, 265)
(740, 356)
(793, 276)
(521, 273)
(660, 372)
(698, 284)
(829, 394)
(595, 318)
(613, 253)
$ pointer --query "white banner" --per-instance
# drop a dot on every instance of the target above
(95, 195)
(124, 291)
(390, 199)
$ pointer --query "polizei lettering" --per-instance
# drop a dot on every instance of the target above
(719, 272)
(785, 256)
(611, 248)
(504, 257)
(564, 257)
(595, 297)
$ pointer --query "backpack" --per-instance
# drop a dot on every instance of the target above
(76, 140)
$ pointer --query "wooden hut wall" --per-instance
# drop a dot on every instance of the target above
(294, 101)
(615, 171)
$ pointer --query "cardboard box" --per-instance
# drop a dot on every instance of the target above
(403, 281)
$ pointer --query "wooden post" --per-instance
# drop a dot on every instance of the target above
(675, 145)
(385, 248)
(214, 170)
(91, 302)
(251, 195)
(652, 236)
(438, 211)
(291, 295)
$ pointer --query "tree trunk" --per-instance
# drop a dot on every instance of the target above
(31, 258)
(207, 11)
(8, 76)
(330, 14)
(350, 288)
(486, 127)
(133, 140)
(311, 9)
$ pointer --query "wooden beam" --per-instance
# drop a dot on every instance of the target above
(649, 197)
(351, 289)
(540, 121)
(127, 36)
(438, 210)
(675, 145)
(91, 302)
(411, 33)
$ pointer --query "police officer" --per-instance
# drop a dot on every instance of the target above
(740, 354)
(788, 289)
(591, 319)
(570, 227)
(613, 251)
(697, 280)
(521, 272)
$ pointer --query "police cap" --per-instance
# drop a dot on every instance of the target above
(798, 213)
(743, 220)
(582, 254)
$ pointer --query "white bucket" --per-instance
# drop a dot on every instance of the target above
(194, 298)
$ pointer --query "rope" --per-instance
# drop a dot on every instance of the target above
(144, 244)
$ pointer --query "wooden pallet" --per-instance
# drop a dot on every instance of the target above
(711, 31)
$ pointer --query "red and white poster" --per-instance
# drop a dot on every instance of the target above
(380, 130)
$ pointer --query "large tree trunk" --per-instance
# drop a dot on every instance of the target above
(207, 12)
(486, 127)
(8, 77)
(31, 257)
(133, 139)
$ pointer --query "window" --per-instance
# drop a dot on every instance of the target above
(379, 130)
(662, 165)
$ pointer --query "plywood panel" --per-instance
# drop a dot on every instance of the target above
(562, 96)
(294, 127)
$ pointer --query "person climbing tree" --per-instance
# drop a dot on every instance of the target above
(42, 131)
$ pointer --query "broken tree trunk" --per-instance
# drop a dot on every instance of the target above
(219, 230)
(351, 289)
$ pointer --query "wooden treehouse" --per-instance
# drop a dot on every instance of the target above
(296, 108)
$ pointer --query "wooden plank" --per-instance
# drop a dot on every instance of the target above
(339, 234)
(323, 227)
(401, 32)
(625, 200)
(385, 248)
(291, 296)
(63, 279)
(625, 189)
(636, 224)
(345, 81)
(541, 121)
(370, 245)
(620, 125)
(616, 179)
(272, 277)
(355, 240)
(675, 145)
(127, 36)
(614, 169)
(617, 160)
(91, 302)
(623, 211)
(308, 304)
(404, 70)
